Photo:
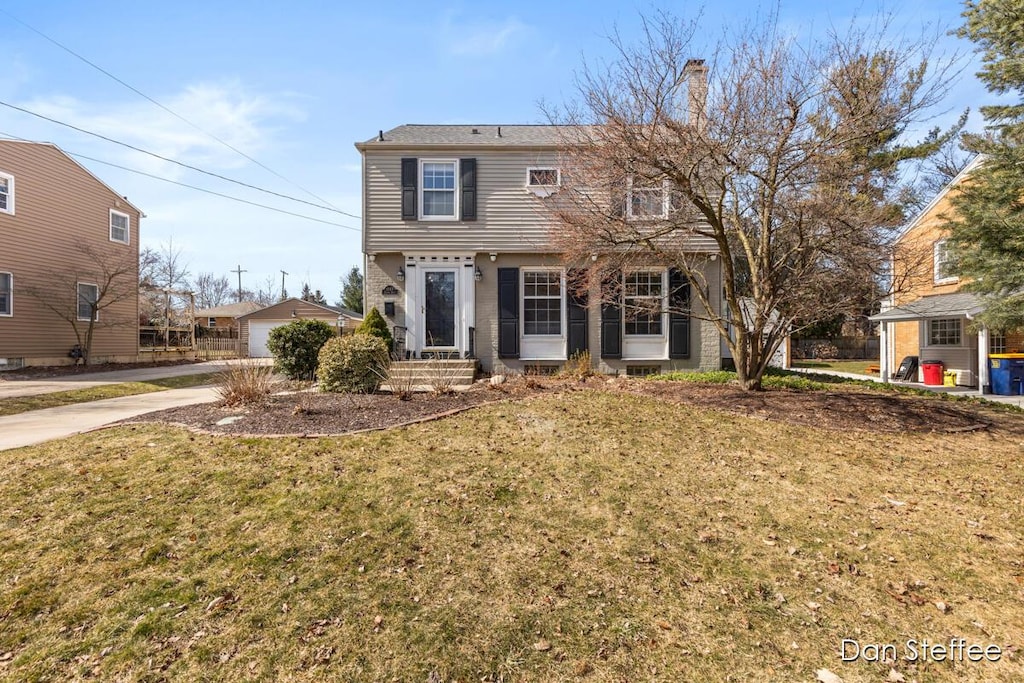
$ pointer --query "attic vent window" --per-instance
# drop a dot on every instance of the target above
(476, 131)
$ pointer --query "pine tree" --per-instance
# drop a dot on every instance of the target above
(352, 291)
(987, 230)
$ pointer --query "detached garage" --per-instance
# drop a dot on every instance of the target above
(254, 328)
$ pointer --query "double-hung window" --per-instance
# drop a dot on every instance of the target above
(438, 189)
(944, 332)
(644, 300)
(119, 227)
(88, 295)
(6, 294)
(6, 193)
(542, 302)
(647, 200)
(943, 264)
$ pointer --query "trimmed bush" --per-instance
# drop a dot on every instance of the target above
(375, 324)
(296, 345)
(355, 364)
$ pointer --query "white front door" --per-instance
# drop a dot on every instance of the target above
(441, 310)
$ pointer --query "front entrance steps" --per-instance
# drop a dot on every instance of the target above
(433, 373)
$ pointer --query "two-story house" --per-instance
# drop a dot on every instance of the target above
(928, 316)
(69, 241)
(459, 258)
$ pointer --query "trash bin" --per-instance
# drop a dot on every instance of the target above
(1007, 373)
(932, 371)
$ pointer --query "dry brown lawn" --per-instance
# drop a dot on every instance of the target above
(591, 536)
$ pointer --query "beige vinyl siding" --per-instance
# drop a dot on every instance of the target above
(60, 207)
(509, 218)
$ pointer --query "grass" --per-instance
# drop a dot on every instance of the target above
(591, 537)
(858, 367)
(23, 404)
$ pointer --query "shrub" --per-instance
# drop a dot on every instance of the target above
(578, 366)
(354, 364)
(375, 325)
(245, 383)
(295, 347)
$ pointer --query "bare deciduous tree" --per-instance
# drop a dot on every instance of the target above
(780, 157)
(211, 290)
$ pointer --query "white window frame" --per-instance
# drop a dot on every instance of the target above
(631, 189)
(940, 257)
(929, 332)
(78, 297)
(663, 272)
(561, 301)
(543, 190)
(127, 227)
(996, 342)
(211, 322)
(10, 295)
(455, 191)
(10, 193)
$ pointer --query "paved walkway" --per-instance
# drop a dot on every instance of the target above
(37, 426)
(10, 388)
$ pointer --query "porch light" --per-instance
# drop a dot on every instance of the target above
(401, 274)
(494, 256)
(478, 275)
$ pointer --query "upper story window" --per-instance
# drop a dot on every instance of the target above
(120, 225)
(88, 295)
(543, 182)
(943, 264)
(643, 298)
(944, 332)
(437, 189)
(6, 193)
(6, 294)
(542, 302)
(647, 200)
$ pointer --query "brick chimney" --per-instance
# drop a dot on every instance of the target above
(696, 73)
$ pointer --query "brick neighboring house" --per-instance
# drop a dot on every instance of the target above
(929, 316)
(459, 262)
(223, 320)
(66, 238)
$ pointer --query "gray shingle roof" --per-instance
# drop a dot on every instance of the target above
(463, 134)
(228, 310)
(935, 306)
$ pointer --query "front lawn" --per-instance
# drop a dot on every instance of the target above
(592, 536)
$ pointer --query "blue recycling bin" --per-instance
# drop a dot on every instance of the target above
(1007, 373)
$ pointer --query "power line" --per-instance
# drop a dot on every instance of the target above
(174, 161)
(169, 111)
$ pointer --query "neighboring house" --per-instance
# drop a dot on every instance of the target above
(254, 328)
(63, 233)
(459, 260)
(929, 317)
(223, 320)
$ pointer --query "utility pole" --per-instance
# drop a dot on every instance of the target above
(283, 291)
(239, 271)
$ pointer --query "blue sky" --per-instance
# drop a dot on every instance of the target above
(294, 85)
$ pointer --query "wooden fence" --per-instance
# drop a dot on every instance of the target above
(209, 348)
(859, 348)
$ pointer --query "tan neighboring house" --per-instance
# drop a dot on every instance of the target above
(68, 239)
(459, 262)
(224, 319)
(254, 328)
(929, 317)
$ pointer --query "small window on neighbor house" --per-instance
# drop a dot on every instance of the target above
(997, 342)
(6, 294)
(944, 332)
(6, 193)
(211, 322)
(943, 264)
(119, 227)
(437, 191)
(88, 295)
(542, 177)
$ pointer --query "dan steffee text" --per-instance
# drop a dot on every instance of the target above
(920, 650)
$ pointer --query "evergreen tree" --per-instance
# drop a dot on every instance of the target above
(352, 291)
(312, 297)
(987, 230)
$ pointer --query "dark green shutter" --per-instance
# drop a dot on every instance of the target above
(410, 169)
(679, 315)
(467, 170)
(508, 313)
(611, 318)
(576, 305)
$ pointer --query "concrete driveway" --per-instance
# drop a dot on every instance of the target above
(10, 388)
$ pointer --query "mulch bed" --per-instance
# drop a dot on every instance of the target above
(308, 414)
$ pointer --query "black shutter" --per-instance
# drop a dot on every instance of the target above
(576, 305)
(467, 169)
(679, 315)
(508, 313)
(611, 318)
(410, 169)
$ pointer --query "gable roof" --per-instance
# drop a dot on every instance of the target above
(470, 135)
(72, 159)
(228, 310)
(967, 170)
(934, 306)
(336, 310)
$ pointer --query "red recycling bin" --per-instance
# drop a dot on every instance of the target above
(932, 371)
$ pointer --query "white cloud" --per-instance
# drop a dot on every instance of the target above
(480, 39)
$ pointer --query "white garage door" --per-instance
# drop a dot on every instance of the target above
(259, 332)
